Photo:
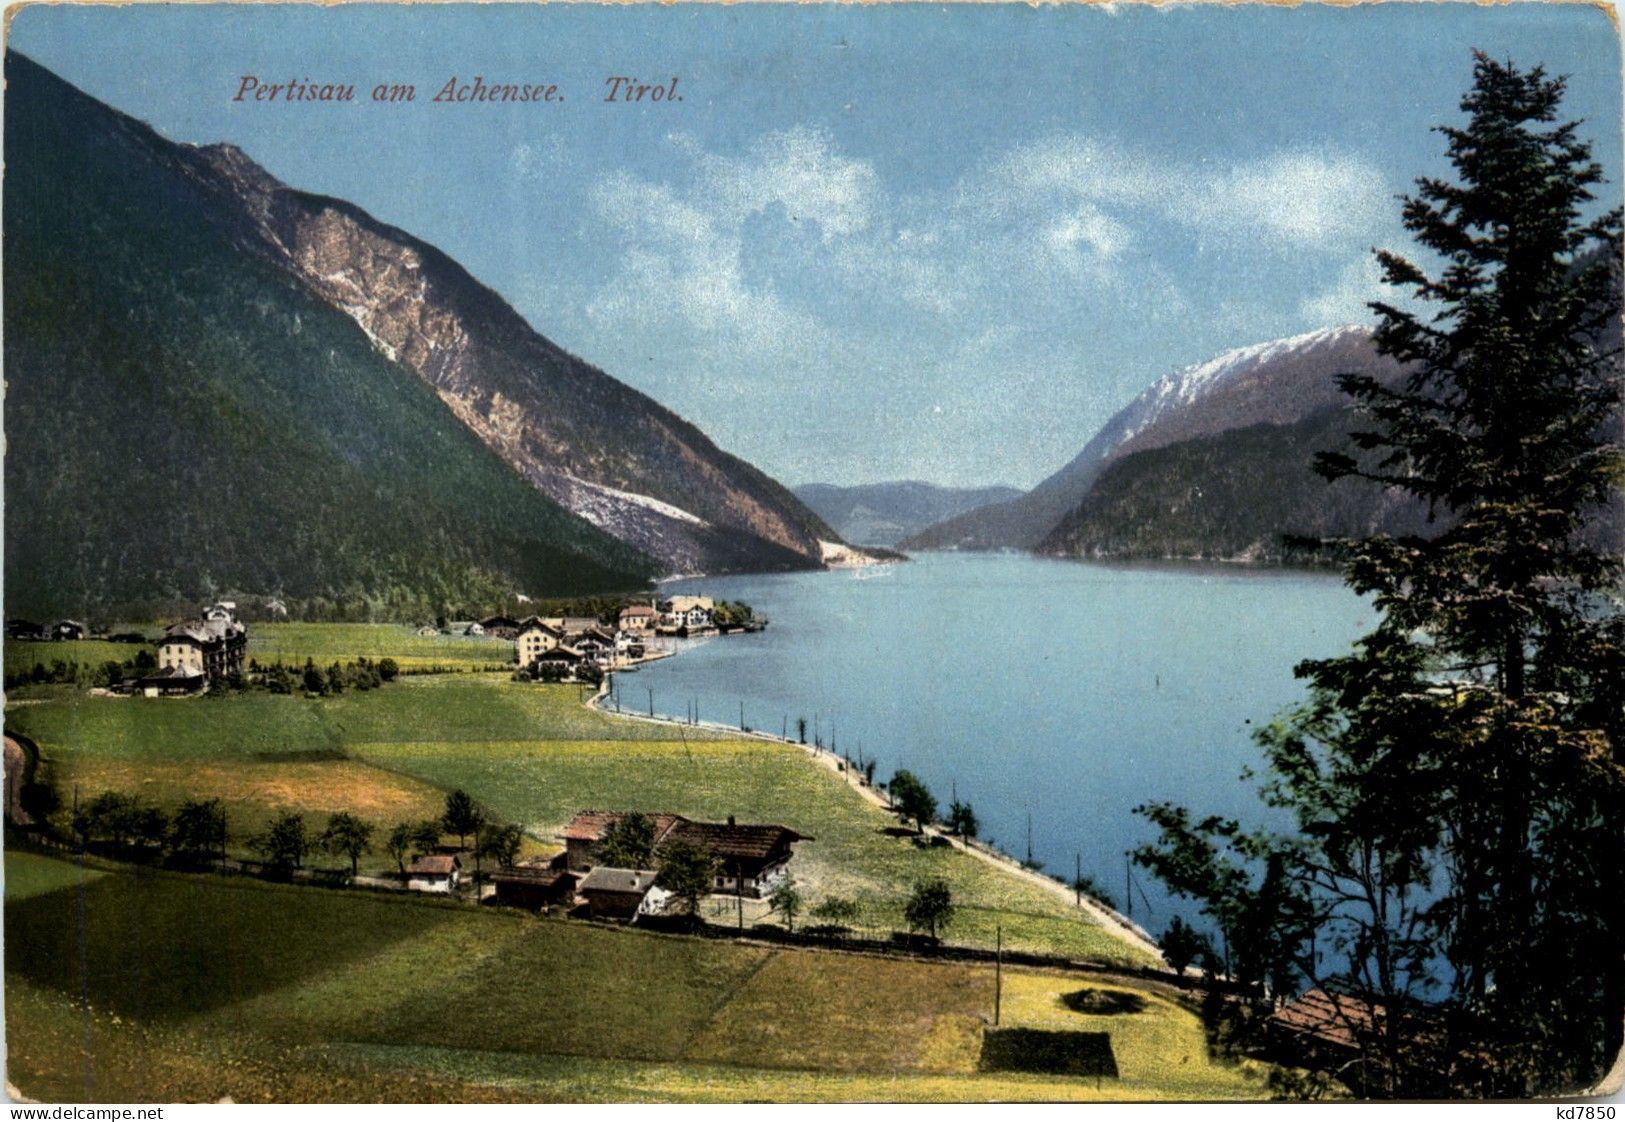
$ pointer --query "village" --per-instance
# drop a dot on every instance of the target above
(211, 650)
(637, 865)
(610, 865)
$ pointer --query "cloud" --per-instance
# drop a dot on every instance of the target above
(1345, 300)
(788, 283)
(533, 162)
(799, 170)
(1311, 199)
(1315, 200)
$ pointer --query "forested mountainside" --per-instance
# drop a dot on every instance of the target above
(1240, 495)
(600, 448)
(183, 418)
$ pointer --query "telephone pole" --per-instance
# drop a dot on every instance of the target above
(998, 972)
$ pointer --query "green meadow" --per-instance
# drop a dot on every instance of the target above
(201, 987)
(534, 755)
(138, 985)
(23, 654)
(326, 643)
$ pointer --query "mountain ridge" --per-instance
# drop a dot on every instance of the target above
(1276, 381)
(588, 441)
(187, 417)
(881, 514)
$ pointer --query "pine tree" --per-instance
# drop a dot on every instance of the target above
(1456, 779)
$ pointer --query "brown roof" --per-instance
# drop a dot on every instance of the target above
(1331, 1018)
(594, 825)
(435, 864)
(727, 840)
(638, 610)
(532, 874)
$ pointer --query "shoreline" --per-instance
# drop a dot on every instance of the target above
(1105, 917)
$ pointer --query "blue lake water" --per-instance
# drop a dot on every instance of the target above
(1064, 692)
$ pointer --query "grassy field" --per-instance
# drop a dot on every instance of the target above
(534, 755)
(149, 986)
(28, 874)
(330, 642)
(23, 654)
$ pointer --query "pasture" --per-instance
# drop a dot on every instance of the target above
(193, 988)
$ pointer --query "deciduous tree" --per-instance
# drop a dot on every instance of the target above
(912, 799)
(929, 907)
(347, 835)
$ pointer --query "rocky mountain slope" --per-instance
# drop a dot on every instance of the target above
(592, 444)
(184, 419)
(885, 513)
(1277, 382)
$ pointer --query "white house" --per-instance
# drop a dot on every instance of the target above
(437, 872)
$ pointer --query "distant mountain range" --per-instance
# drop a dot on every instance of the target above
(885, 513)
(217, 382)
(1279, 383)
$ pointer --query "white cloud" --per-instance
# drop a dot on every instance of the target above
(1306, 198)
(684, 262)
(1316, 200)
(787, 283)
(1345, 300)
(798, 169)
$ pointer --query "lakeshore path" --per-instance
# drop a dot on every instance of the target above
(1109, 919)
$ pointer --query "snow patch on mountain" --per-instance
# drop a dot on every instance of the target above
(599, 504)
(1183, 387)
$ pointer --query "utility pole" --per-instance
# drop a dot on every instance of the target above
(998, 972)
(1077, 878)
(741, 715)
(651, 700)
(1029, 839)
(1128, 884)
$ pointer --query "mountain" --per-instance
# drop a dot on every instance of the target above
(885, 513)
(1238, 495)
(183, 419)
(1277, 382)
(188, 411)
(592, 444)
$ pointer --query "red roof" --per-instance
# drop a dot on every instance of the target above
(436, 864)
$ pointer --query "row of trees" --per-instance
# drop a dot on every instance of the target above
(197, 832)
(361, 674)
(913, 799)
(929, 908)
(1456, 779)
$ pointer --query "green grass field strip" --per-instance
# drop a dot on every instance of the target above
(30, 874)
(441, 732)
(363, 979)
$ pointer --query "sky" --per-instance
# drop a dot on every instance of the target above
(870, 242)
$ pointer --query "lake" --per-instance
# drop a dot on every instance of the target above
(1062, 693)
